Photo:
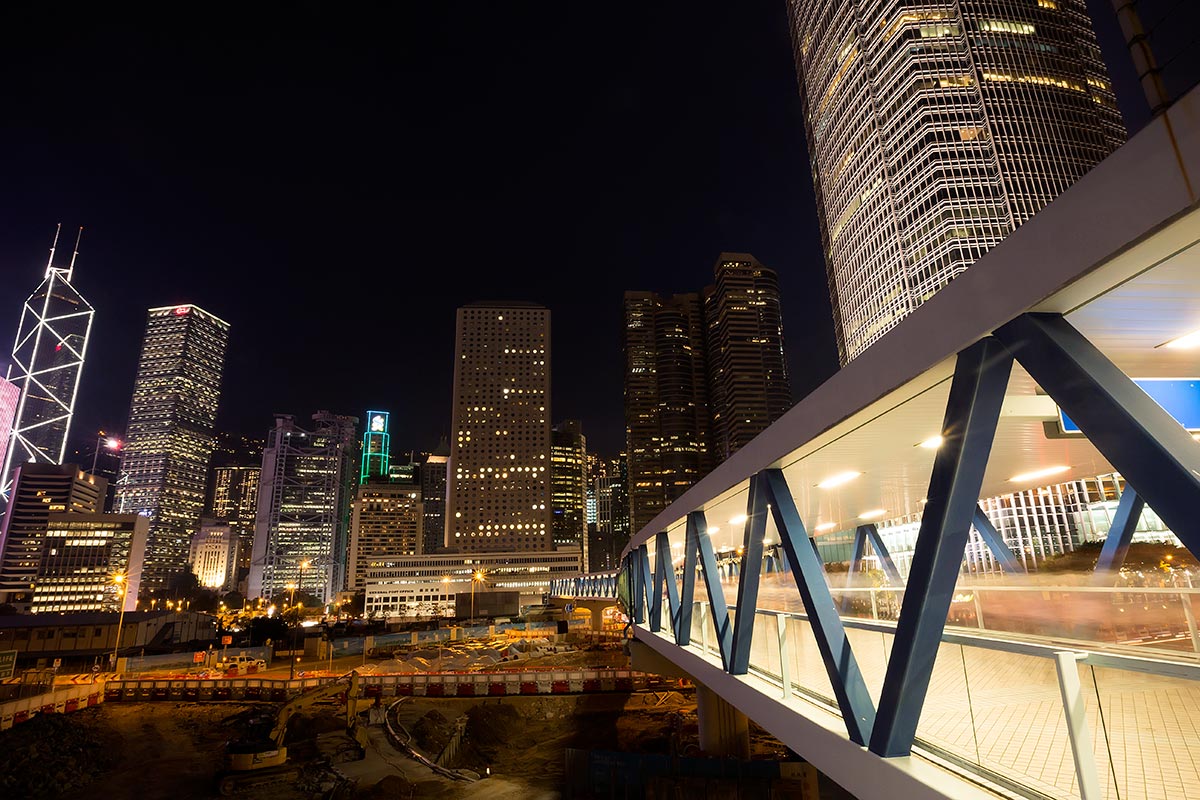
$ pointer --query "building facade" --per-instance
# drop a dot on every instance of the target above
(47, 362)
(433, 497)
(39, 490)
(612, 528)
(81, 554)
(568, 485)
(213, 555)
(747, 372)
(934, 131)
(303, 519)
(667, 421)
(498, 475)
(425, 586)
(235, 500)
(386, 524)
(169, 439)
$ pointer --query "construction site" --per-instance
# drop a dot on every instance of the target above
(448, 722)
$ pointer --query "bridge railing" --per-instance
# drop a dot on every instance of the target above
(597, 584)
(1029, 716)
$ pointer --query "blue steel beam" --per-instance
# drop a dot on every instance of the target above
(749, 574)
(650, 607)
(881, 552)
(1140, 439)
(1116, 545)
(976, 393)
(856, 555)
(698, 544)
(995, 542)
(665, 573)
(845, 677)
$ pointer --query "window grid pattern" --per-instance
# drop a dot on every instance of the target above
(934, 130)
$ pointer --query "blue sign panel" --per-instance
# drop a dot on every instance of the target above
(1179, 397)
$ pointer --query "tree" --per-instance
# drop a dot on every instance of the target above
(7, 609)
(356, 605)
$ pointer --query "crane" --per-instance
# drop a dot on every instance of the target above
(253, 761)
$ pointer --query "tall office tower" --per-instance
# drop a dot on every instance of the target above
(385, 525)
(303, 518)
(80, 555)
(47, 360)
(169, 439)
(667, 426)
(935, 130)
(235, 500)
(38, 491)
(498, 495)
(611, 486)
(213, 555)
(568, 486)
(747, 373)
(376, 448)
(433, 496)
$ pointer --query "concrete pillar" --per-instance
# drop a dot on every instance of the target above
(597, 618)
(724, 731)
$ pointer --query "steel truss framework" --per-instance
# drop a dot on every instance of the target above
(1158, 458)
(47, 360)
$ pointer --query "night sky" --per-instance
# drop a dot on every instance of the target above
(336, 182)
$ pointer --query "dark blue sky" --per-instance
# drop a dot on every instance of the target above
(336, 182)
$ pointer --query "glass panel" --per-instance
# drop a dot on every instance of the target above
(764, 648)
(808, 668)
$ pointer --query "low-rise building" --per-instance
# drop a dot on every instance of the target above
(94, 633)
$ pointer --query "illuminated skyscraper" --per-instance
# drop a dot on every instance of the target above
(80, 555)
(303, 519)
(47, 360)
(375, 446)
(385, 526)
(235, 500)
(935, 130)
(169, 439)
(10, 396)
(568, 485)
(667, 424)
(433, 496)
(499, 469)
(38, 491)
(747, 373)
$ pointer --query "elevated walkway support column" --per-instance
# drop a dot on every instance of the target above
(724, 731)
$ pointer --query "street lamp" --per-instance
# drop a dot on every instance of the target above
(476, 578)
(122, 580)
(292, 655)
(103, 440)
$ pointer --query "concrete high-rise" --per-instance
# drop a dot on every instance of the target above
(38, 491)
(47, 361)
(303, 520)
(80, 555)
(667, 423)
(169, 439)
(568, 485)
(747, 372)
(934, 131)
(213, 555)
(611, 531)
(498, 495)
(385, 526)
(433, 496)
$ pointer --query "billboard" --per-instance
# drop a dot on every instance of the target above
(1179, 397)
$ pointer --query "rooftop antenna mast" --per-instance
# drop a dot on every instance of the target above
(71, 269)
(54, 244)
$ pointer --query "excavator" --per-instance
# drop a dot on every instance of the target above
(259, 759)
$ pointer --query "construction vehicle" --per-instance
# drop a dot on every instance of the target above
(258, 759)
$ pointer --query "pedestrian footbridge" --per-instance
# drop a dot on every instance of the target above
(929, 682)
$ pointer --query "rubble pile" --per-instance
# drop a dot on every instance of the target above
(53, 754)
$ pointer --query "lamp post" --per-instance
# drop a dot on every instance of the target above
(292, 654)
(477, 577)
(122, 580)
(103, 440)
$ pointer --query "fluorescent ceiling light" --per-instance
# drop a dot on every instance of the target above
(837, 480)
(825, 526)
(740, 519)
(713, 529)
(1188, 341)
(932, 443)
(873, 514)
(1039, 473)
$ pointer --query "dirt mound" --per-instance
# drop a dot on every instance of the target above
(432, 732)
(491, 726)
(308, 726)
(393, 787)
(53, 754)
